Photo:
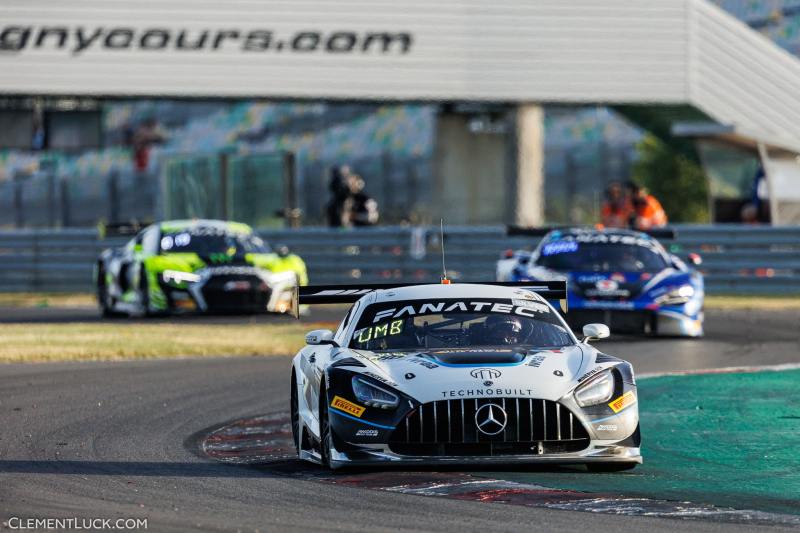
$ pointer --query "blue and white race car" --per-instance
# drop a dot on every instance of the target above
(622, 278)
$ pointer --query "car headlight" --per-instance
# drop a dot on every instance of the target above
(372, 395)
(596, 391)
(677, 296)
(176, 276)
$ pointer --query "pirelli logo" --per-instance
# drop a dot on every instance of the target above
(347, 406)
(629, 398)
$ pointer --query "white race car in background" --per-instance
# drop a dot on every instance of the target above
(460, 373)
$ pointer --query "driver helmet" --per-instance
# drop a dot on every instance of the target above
(504, 330)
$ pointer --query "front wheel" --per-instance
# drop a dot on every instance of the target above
(144, 293)
(103, 299)
(324, 430)
(610, 467)
(295, 414)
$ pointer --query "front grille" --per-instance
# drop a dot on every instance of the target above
(618, 320)
(582, 288)
(220, 300)
(448, 428)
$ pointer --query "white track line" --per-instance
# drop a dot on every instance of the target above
(723, 370)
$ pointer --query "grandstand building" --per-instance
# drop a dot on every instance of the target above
(66, 132)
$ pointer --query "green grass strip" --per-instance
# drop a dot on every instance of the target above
(723, 439)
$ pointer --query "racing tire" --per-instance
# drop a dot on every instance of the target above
(107, 312)
(295, 414)
(610, 467)
(325, 438)
(144, 293)
(102, 297)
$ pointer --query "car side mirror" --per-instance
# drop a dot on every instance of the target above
(320, 336)
(694, 259)
(595, 331)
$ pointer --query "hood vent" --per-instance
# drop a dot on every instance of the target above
(475, 356)
(348, 361)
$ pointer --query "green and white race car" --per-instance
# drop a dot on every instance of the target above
(208, 266)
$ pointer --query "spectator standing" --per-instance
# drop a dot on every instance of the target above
(617, 207)
(340, 191)
(146, 135)
(756, 210)
(362, 209)
(647, 211)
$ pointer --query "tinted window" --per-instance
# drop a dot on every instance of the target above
(205, 242)
(600, 257)
(450, 323)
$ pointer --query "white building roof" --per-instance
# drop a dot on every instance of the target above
(582, 51)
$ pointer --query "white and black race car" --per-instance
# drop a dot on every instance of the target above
(459, 373)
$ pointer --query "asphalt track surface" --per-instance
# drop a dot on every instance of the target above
(120, 440)
(90, 314)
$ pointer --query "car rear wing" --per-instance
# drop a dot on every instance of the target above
(119, 229)
(521, 231)
(345, 294)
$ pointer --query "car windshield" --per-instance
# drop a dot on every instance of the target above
(454, 323)
(206, 241)
(572, 256)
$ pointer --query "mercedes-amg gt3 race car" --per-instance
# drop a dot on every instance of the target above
(462, 373)
(196, 266)
(622, 278)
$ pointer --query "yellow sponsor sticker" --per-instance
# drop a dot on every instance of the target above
(347, 406)
(629, 398)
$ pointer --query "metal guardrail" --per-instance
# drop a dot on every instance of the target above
(737, 259)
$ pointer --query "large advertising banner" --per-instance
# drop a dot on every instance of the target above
(517, 50)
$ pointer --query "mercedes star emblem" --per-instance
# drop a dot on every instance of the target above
(491, 419)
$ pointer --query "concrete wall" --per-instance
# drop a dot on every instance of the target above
(470, 173)
(490, 178)
(526, 151)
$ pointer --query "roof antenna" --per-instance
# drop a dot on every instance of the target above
(444, 279)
